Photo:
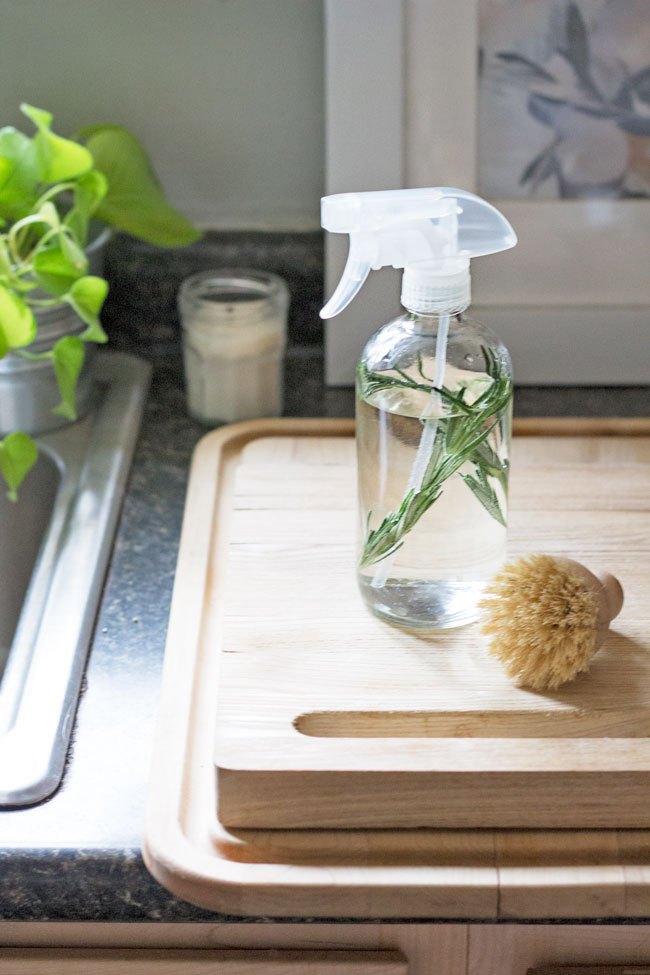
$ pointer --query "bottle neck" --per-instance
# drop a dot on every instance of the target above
(429, 323)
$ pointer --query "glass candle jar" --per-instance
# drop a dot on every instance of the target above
(234, 335)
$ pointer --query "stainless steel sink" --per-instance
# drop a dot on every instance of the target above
(54, 548)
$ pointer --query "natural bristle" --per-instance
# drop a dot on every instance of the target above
(543, 619)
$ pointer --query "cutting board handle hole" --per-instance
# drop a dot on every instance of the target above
(565, 723)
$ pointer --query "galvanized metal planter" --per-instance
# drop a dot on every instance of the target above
(28, 389)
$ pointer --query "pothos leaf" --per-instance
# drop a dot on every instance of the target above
(67, 357)
(19, 173)
(5, 259)
(18, 455)
(90, 189)
(59, 266)
(134, 201)
(17, 322)
(59, 159)
(87, 296)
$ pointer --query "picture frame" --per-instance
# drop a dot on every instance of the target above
(572, 300)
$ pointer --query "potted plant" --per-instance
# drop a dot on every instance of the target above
(53, 191)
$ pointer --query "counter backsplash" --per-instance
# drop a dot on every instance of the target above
(140, 314)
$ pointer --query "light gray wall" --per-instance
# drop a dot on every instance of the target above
(227, 95)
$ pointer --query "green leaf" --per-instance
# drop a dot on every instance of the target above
(17, 322)
(491, 464)
(68, 357)
(90, 189)
(87, 296)
(134, 201)
(484, 492)
(6, 169)
(59, 159)
(6, 269)
(19, 174)
(49, 215)
(437, 451)
(74, 253)
(57, 267)
(18, 455)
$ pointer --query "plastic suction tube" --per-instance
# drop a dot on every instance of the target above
(427, 440)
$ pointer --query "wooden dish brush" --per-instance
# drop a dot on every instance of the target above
(547, 618)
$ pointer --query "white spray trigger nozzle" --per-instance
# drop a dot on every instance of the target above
(432, 231)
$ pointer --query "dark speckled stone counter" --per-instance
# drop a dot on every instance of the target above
(77, 855)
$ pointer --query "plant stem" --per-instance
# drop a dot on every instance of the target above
(460, 437)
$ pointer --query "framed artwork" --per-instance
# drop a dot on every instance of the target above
(542, 107)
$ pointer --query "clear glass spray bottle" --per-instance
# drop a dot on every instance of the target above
(434, 394)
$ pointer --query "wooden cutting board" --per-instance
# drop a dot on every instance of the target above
(328, 717)
(419, 873)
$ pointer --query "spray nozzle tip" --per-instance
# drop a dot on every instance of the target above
(354, 275)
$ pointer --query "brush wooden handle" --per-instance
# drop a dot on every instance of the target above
(607, 590)
(612, 594)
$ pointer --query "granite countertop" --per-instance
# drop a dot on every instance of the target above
(77, 855)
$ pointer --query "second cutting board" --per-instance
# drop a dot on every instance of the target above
(330, 718)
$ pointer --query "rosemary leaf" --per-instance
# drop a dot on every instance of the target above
(486, 494)
(461, 437)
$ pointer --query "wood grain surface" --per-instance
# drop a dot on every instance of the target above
(418, 873)
(329, 718)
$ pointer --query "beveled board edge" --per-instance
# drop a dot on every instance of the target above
(602, 969)
(201, 961)
(581, 426)
(497, 890)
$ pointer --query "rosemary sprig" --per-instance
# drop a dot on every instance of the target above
(461, 437)
(377, 382)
